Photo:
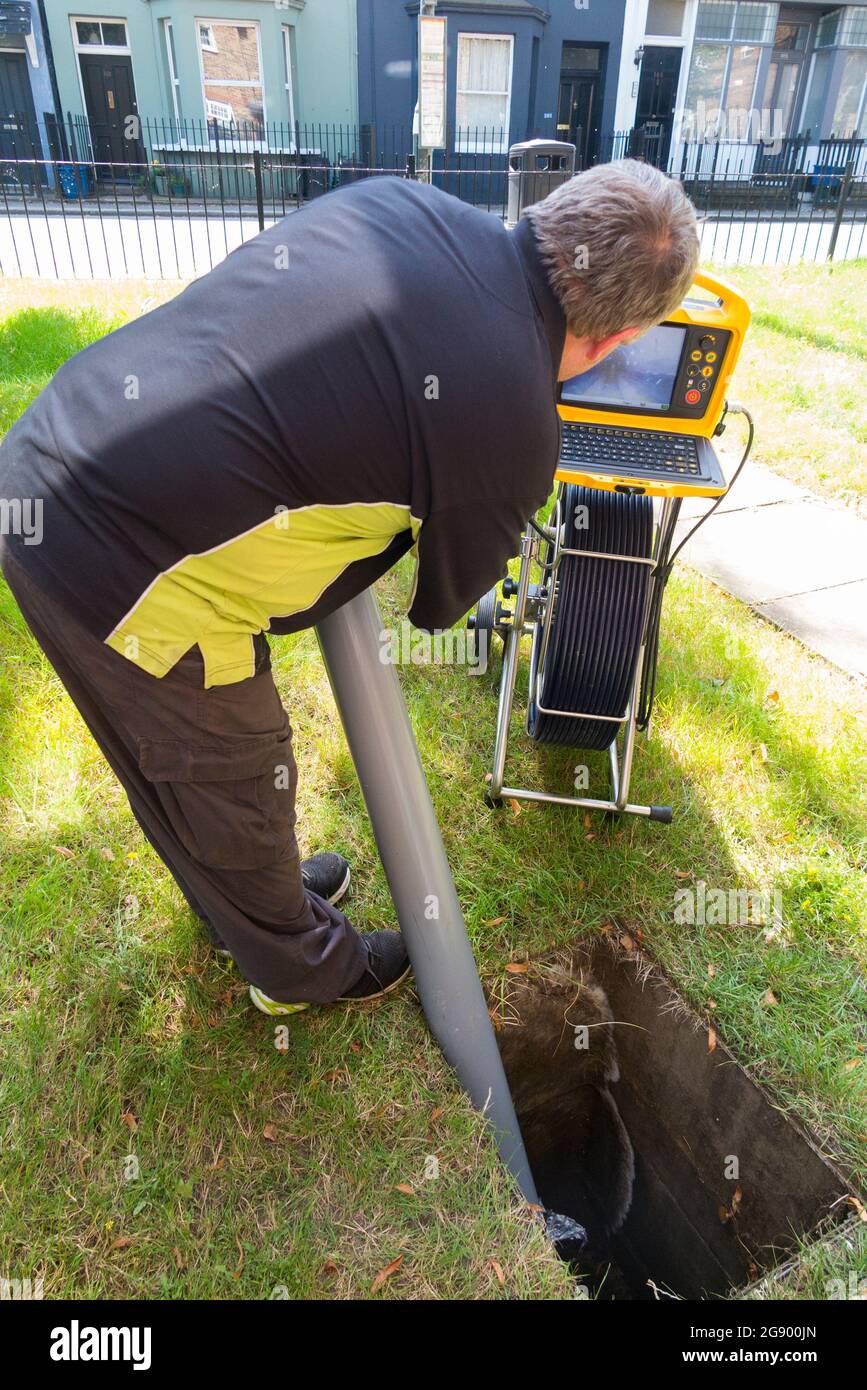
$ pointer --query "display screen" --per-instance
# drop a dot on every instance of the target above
(640, 374)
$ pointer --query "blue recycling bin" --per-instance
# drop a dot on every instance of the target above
(76, 180)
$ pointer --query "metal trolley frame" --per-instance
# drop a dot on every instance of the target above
(533, 613)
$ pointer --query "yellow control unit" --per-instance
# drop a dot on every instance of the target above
(641, 420)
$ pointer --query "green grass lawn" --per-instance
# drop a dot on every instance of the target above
(803, 374)
(156, 1142)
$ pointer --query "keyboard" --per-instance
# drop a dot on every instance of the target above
(630, 451)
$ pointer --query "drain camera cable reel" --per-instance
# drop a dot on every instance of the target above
(591, 582)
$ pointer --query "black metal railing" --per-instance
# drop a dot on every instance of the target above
(171, 198)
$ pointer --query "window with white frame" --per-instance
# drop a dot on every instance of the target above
(483, 92)
(845, 28)
(730, 36)
(231, 67)
(850, 109)
(665, 18)
(288, 63)
(100, 34)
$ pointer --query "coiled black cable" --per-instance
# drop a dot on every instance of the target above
(598, 619)
(603, 608)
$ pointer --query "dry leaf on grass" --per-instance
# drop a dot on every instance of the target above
(385, 1274)
(498, 1272)
(516, 967)
(130, 1121)
(729, 1213)
(859, 1207)
(122, 1243)
(270, 1133)
(711, 1040)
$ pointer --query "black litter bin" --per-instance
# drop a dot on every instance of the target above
(315, 174)
(535, 167)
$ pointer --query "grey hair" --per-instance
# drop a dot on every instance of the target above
(620, 246)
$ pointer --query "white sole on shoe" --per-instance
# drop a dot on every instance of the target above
(275, 1009)
(340, 892)
(366, 998)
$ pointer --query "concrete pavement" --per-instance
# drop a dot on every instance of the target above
(797, 560)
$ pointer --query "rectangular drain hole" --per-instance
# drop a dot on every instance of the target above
(685, 1175)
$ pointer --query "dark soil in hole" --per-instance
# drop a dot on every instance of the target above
(682, 1171)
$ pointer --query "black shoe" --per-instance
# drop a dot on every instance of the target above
(327, 875)
(387, 965)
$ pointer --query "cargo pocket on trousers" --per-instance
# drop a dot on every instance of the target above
(232, 804)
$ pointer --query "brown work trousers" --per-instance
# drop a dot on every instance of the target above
(211, 779)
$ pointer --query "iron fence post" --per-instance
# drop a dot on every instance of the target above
(841, 203)
(260, 191)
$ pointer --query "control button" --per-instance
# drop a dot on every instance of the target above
(693, 397)
(708, 341)
(704, 386)
(710, 357)
(696, 356)
(707, 371)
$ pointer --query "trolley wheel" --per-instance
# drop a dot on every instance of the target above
(484, 621)
(484, 616)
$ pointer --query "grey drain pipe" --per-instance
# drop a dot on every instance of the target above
(381, 741)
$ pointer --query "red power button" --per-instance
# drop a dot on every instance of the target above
(693, 397)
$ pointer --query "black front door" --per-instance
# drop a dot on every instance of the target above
(657, 96)
(580, 107)
(109, 95)
(19, 137)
